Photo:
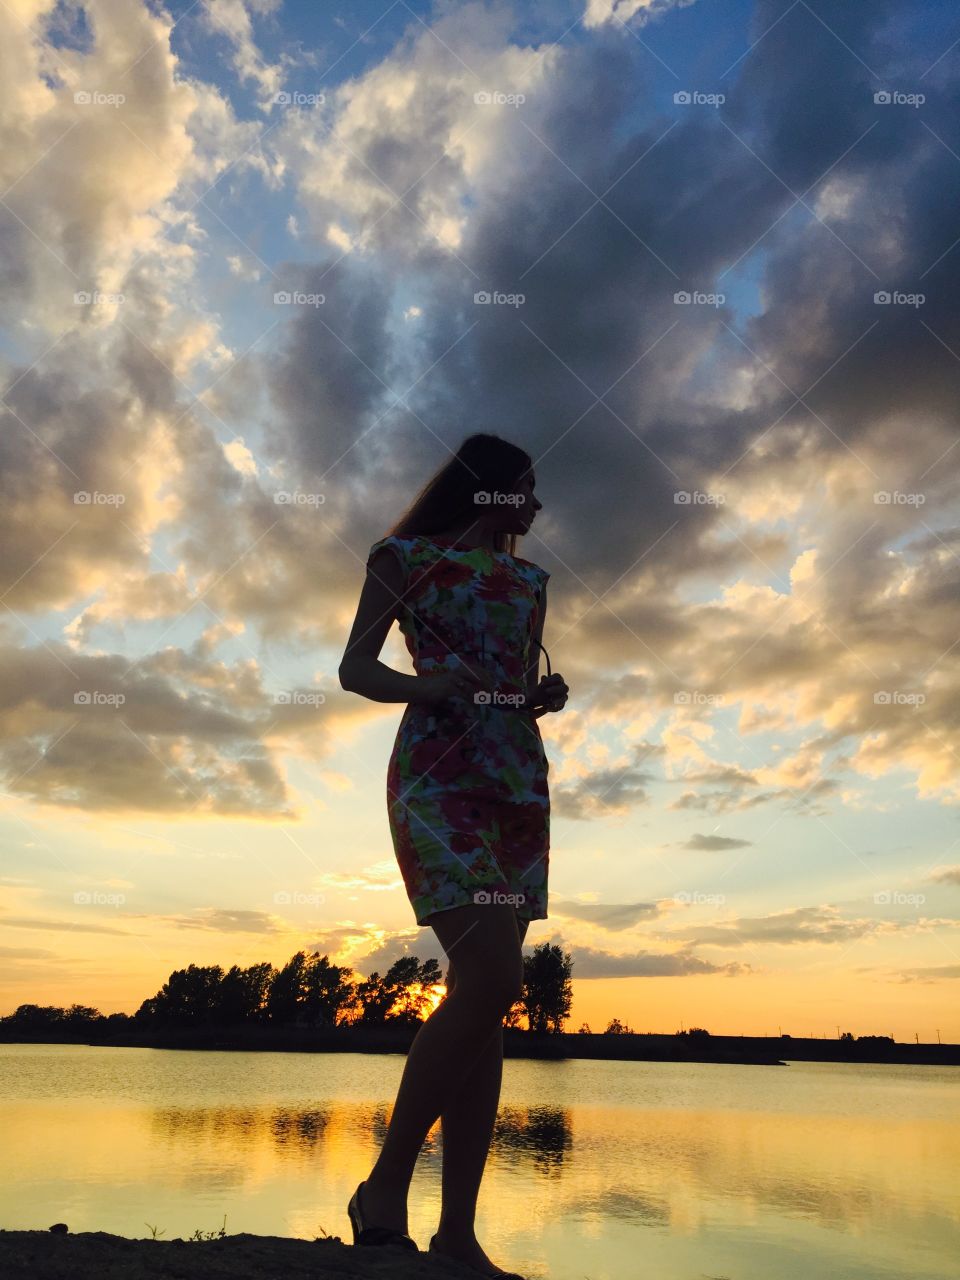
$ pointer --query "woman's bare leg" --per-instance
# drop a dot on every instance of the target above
(484, 941)
(468, 1121)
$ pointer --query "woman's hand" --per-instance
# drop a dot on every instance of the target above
(550, 694)
(461, 681)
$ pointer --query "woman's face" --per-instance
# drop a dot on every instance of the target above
(516, 514)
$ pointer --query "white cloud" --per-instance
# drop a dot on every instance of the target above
(599, 12)
(393, 160)
(240, 457)
(242, 267)
(230, 18)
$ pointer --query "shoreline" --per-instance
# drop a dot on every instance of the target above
(96, 1255)
(639, 1047)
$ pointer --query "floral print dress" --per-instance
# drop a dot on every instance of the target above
(467, 795)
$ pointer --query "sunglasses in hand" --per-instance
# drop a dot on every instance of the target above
(552, 691)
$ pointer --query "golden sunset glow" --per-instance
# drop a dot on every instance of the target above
(265, 273)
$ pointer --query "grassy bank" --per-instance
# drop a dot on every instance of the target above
(95, 1255)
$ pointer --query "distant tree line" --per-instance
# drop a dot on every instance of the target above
(617, 1028)
(308, 991)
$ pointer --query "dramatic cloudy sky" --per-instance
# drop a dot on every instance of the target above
(241, 246)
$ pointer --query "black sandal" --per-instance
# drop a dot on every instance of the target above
(498, 1275)
(375, 1235)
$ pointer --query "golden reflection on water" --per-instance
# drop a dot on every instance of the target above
(703, 1170)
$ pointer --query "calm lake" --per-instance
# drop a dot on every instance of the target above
(599, 1170)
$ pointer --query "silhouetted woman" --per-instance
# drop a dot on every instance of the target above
(468, 805)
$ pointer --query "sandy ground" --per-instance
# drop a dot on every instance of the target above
(45, 1255)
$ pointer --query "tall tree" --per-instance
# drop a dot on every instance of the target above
(547, 987)
(287, 991)
(189, 996)
(327, 991)
(243, 993)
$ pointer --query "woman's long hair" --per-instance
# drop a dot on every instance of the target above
(483, 463)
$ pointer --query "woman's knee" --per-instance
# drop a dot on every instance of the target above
(492, 994)
(494, 988)
(487, 967)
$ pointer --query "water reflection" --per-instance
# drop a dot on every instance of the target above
(701, 1170)
(543, 1134)
(286, 1126)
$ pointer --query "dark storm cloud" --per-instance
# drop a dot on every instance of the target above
(685, 197)
(598, 298)
(810, 391)
(868, 365)
(337, 371)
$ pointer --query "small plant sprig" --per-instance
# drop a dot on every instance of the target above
(210, 1235)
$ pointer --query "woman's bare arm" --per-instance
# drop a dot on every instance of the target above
(360, 670)
(533, 670)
